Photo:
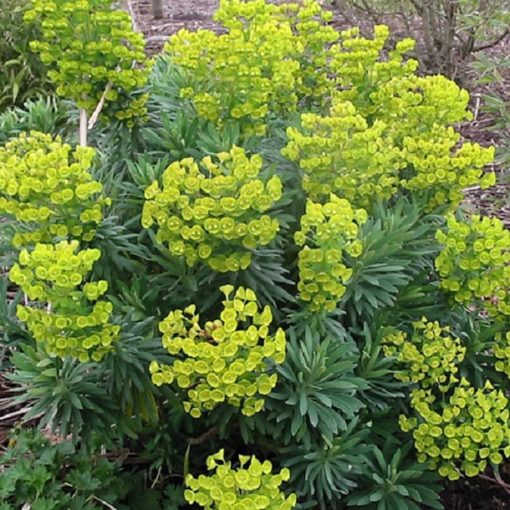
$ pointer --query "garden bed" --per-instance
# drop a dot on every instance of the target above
(267, 263)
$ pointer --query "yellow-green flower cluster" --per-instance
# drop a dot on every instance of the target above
(92, 49)
(251, 486)
(388, 130)
(269, 55)
(416, 105)
(359, 70)
(430, 356)
(310, 34)
(473, 264)
(49, 190)
(382, 84)
(419, 112)
(469, 429)
(69, 325)
(313, 37)
(48, 272)
(327, 231)
(214, 212)
(343, 154)
(224, 361)
(502, 352)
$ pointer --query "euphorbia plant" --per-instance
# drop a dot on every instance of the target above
(288, 261)
(95, 57)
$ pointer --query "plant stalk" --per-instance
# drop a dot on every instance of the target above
(83, 127)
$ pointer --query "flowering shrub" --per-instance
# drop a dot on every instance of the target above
(252, 485)
(283, 267)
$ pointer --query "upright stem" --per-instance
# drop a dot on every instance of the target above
(157, 9)
(83, 127)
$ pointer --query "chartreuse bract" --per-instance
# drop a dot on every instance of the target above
(214, 212)
(251, 485)
(48, 192)
(93, 54)
(227, 359)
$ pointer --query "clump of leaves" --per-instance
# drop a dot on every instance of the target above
(326, 472)
(56, 475)
(394, 480)
(45, 115)
(22, 74)
(67, 395)
(317, 392)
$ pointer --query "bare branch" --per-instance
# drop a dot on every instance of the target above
(83, 127)
(496, 481)
(493, 43)
(204, 437)
(19, 412)
(133, 15)
(99, 107)
(103, 502)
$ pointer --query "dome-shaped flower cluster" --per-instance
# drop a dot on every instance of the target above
(49, 192)
(226, 360)
(429, 356)
(388, 130)
(473, 264)
(67, 320)
(462, 433)
(48, 189)
(327, 231)
(93, 51)
(214, 212)
(251, 486)
(269, 57)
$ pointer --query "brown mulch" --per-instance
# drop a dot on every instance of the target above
(476, 494)
(177, 14)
